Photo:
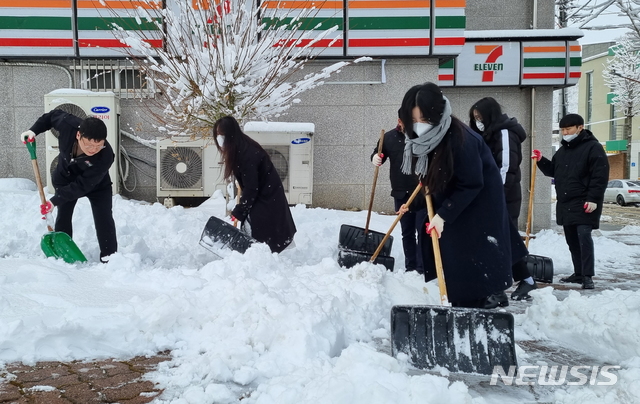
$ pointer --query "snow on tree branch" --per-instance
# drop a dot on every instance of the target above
(228, 57)
(619, 74)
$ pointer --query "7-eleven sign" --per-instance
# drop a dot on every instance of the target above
(488, 64)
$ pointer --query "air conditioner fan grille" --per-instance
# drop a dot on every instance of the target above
(181, 167)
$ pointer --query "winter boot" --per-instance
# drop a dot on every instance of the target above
(497, 299)
(522, 291)
(587, 282)
(574, 278)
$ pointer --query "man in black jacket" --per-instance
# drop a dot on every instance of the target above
(581, 172)
(83, 170)
(402, 185)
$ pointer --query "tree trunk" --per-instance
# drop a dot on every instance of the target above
(628, 137)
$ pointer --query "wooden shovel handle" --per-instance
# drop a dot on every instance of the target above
(530, 210)
(36, 172)
(436, 255)
(395, 222)
(373, 186)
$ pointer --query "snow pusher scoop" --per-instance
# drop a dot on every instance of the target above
(219, 234)
(54, 244)
(356, 244)
(458, 339)
(539, 267)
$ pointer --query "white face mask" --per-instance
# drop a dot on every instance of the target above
(569, 138)
(220, 140)
(480, 126)
(420, 128)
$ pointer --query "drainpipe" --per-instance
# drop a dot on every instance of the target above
(533, 116)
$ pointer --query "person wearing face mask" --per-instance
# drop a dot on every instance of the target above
(263, 209)
(477, 242)
(580, 169)
(504, 136)
(82, 171)
(402, 185)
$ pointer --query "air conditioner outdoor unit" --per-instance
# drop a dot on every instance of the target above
(84, 103)
(290, 146)
(188, 168)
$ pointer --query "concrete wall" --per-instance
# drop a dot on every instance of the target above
(348, 117)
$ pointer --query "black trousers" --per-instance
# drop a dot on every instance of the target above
(580, 243)
(411, 224)
(519, 270)
(101, 207)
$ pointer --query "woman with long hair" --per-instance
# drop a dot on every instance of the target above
(477, 243)
(504, 136)
(263, 209)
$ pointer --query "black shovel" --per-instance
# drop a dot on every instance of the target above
(540, 268)
(455, 338)
(356, 244)
(218, 234)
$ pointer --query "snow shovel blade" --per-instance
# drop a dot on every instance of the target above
(354, 239)
(219, 234)
(349, 258)
(60, 245)
(457, 339)
(540, 268)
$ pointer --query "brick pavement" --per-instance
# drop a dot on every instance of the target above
(107, 381)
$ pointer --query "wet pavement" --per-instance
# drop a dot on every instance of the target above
(107, 381)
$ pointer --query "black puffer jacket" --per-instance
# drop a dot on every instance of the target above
(505, 138)
(74, 177)
(393, 149)
(581, 172)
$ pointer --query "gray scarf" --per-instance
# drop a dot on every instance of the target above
(423, 145)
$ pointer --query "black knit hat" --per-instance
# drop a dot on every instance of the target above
(570, 120)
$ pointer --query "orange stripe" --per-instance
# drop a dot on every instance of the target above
(303, 4)
(482, 49)
(36, 3)
(389, 4)
(119, 4)
(451, 3)
(532, 49)
(116, 5)
(575, 48)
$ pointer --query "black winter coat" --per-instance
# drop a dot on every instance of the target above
(505, 139)
(581, 172)
(393, 149)
(478, 244)
(74, 177)
(263, 202)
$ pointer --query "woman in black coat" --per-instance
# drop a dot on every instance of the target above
(504, 136)
(471, 218)
(263, 208)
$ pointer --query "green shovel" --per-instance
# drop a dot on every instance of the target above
(54, 244)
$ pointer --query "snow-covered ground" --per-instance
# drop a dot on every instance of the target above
(289, 328)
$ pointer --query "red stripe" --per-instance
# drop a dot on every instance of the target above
(543, 76)
(575, 75)
(37, 42)
(67, 43)
(374, 42)
(323, 43)
(450, 41)
(112, 43)
(445, 77)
